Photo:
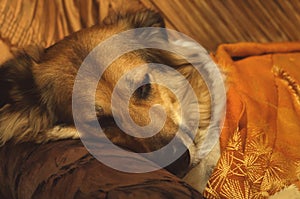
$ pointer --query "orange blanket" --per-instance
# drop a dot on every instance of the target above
(260, 140)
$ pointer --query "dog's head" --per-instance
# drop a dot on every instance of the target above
(50, 78)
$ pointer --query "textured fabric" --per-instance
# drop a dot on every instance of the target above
(260, 138)
(66, 170)
(24, 22)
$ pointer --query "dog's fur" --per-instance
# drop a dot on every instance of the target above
(36, 92)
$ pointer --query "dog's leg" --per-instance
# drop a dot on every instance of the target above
(58, 133)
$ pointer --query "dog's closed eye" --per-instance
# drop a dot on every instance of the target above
(143, 91)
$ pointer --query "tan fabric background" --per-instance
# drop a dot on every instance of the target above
(211, 23)
(25, 22)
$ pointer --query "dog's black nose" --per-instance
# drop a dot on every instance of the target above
(180, 166)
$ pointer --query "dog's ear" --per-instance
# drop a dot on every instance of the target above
(179, 63)
(16, 78)
(146, 18)
(5, 86)
(35, 52)
(140, 19)
(192, 75)
(32, 52)
(23, 115)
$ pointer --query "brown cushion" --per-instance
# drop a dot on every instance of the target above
(65, 169)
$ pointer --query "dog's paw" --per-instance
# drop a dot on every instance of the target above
(58, 133)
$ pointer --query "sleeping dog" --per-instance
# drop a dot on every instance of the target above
(36, 93)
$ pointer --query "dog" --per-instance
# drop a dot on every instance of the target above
(36, 93)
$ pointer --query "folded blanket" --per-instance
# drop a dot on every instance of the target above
(260, 139)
